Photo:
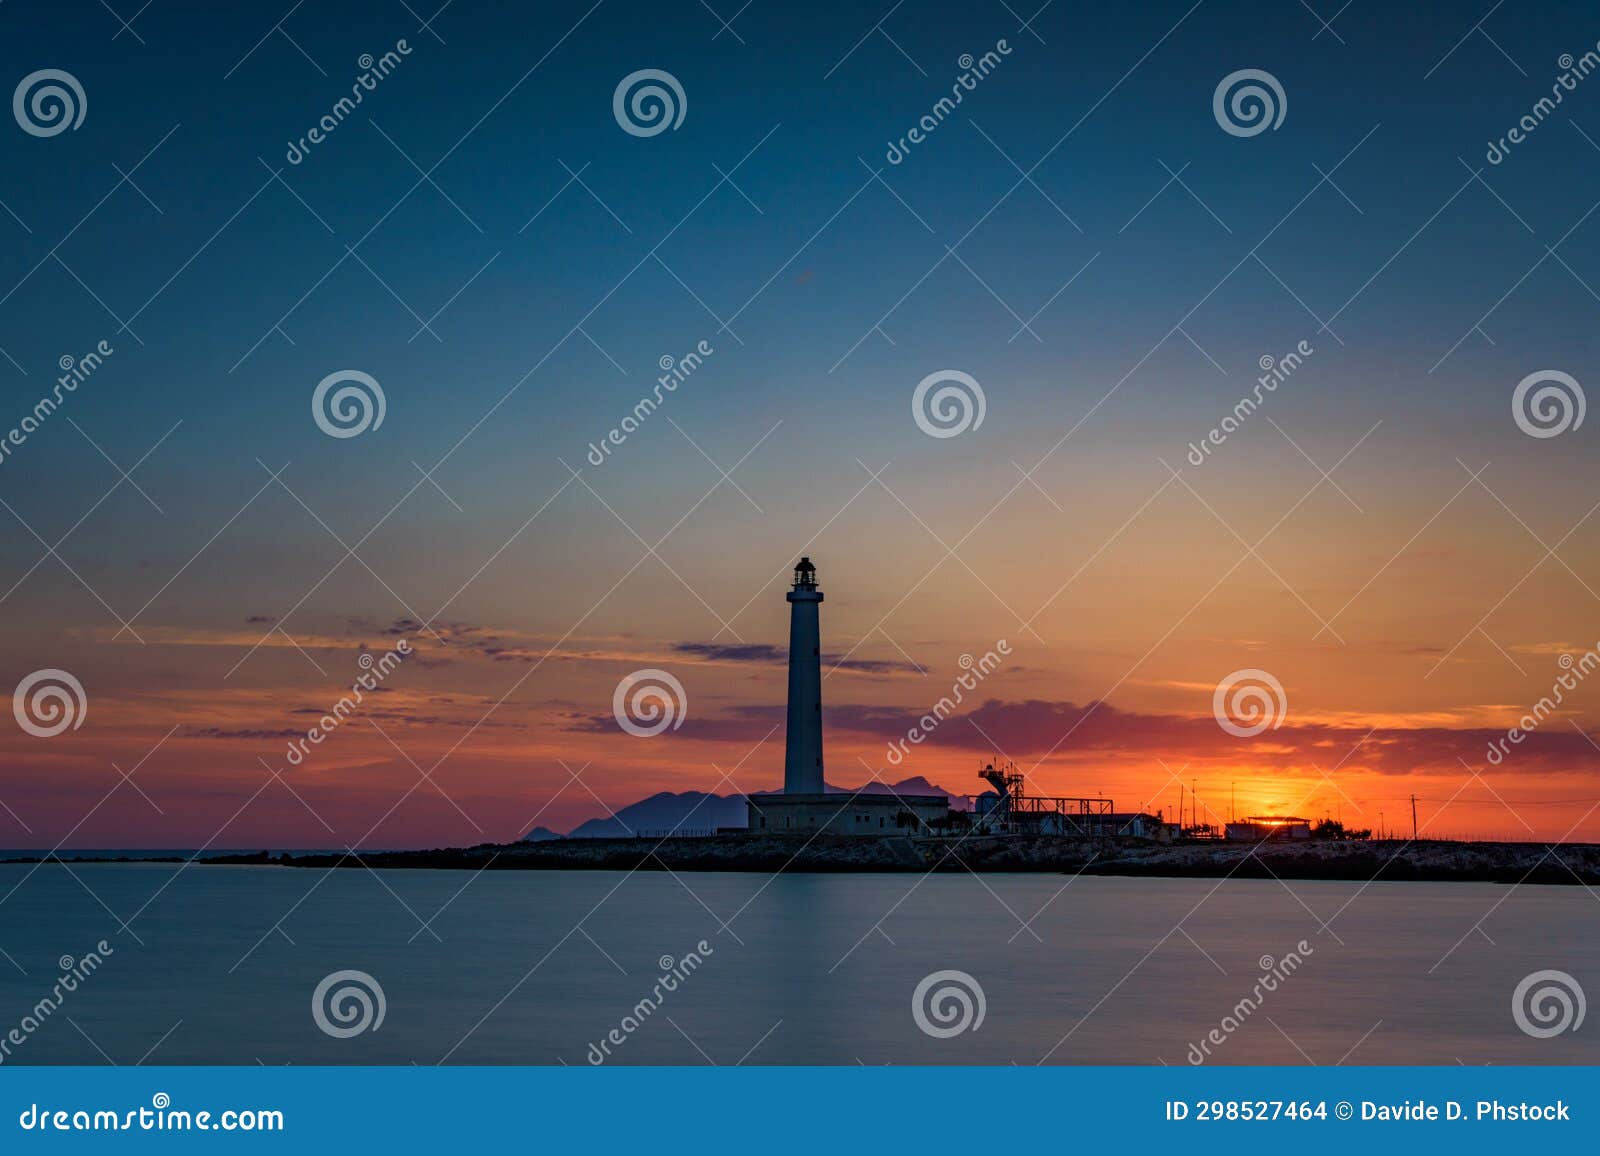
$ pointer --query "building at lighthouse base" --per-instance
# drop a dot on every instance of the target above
(840, 813)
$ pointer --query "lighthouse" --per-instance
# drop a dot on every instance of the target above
(805, 807)
(802, 757)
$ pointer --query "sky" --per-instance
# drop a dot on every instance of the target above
(1081, 236)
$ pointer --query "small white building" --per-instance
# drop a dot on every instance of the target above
(839, 813)
(1260, 827)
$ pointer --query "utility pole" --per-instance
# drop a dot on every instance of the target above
(1413, 817)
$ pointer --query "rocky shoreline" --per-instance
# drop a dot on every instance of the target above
(1394, 860)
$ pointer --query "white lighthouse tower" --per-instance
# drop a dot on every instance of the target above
(802, 758)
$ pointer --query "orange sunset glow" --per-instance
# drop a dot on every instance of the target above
(1119, 632)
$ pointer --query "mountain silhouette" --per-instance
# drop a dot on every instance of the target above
(698, 812)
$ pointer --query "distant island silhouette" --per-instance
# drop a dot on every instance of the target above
(702, 813)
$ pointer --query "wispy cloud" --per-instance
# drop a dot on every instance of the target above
(1076, 732)
(767, 655)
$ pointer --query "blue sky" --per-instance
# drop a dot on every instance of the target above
(543, 340)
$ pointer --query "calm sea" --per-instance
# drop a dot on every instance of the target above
(219, 965)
